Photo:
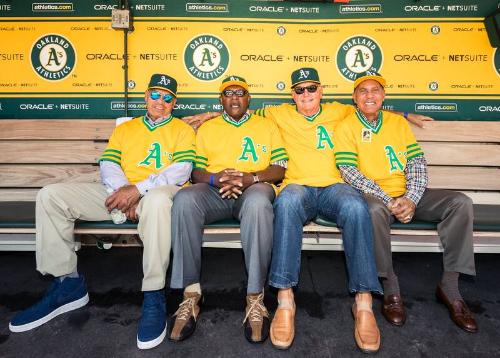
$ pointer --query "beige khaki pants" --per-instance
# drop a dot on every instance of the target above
(59, 205)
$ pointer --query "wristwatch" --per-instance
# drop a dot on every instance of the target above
(255, 178)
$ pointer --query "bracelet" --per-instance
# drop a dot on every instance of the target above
(405, 114)
(211, 181)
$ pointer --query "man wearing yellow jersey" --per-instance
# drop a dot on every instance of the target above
(378, 155)
(238, 158)
(146, 162)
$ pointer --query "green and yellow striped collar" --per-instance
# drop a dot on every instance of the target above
(375, 128)
(233, 121)
(152, 125)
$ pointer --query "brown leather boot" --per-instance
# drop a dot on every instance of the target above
(184, 320)
(366, 332)
(283, 325)
(256, 319)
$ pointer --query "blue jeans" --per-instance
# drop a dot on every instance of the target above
(298, 204)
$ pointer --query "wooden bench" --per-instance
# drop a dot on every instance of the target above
(462, 156)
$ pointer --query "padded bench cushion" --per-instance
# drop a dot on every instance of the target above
(19, 214)
(486, 218)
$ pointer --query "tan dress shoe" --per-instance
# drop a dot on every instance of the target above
(366, 332)
(283, 327)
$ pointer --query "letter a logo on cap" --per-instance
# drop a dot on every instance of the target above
(164, 81)
(303, 74)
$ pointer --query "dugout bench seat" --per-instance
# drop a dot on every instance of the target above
(462, 155)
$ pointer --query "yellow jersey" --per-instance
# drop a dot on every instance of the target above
(380, 153)
(142, 149)
(248, 146)
(309, 142)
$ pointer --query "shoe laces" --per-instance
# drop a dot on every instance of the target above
(257, 308)
(186, 309)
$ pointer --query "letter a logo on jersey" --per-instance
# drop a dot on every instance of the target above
(248, 149)
(154, 155)
(394, 163)
(324, 138)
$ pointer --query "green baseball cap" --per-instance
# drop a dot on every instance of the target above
(233, 81)
(369, 75)
(163, 82)
(305, 74)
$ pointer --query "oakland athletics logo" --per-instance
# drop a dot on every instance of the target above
(358, 54)
(206, 57)
(496, 61)
(53, 57)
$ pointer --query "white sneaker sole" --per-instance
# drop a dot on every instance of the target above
(63, 309)
(154, 342)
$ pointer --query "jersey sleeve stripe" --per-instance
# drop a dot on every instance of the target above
(184, 158)
(260, 112)
(199, 165)
(201, 160)
(279, 156)
(184, 151)
(346, 153)
(111, 156)
(412, 145)
(418, 154)
(112, 150)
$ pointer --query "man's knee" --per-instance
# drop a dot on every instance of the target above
(354, 206)
(185, 198)
(49, 192)
(461, 200)
(378, 211)
(258, 202)
(158, 198)
(291, 197)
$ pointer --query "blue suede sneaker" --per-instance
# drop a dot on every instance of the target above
(61, 297)
(153, 324)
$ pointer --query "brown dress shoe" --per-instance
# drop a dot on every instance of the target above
(393, 310)
(459, 312)
(283, 327)
(366, 332)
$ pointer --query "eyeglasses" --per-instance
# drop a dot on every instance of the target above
(237, 93)
(167, 97)
(310, 89)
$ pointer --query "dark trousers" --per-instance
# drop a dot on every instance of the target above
(451, 210)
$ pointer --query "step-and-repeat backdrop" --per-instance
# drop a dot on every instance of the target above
(62, 59)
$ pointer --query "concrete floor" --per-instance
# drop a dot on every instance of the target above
(324, 325)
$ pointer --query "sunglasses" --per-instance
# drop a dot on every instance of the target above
(237, 93)
(156, 95)
(310, 89)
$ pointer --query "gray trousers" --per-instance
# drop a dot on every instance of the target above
(201, 204)
(59, 205)
(453, 212)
